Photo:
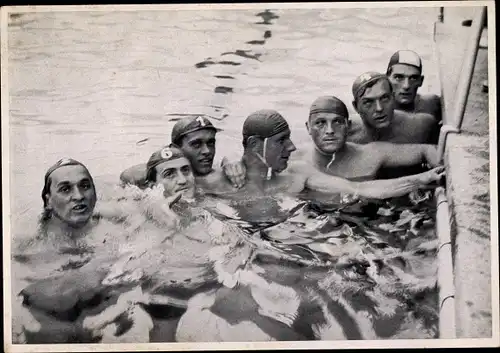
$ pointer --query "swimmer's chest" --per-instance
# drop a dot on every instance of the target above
(358, 166)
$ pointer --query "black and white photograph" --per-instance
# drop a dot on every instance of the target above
(249, 176)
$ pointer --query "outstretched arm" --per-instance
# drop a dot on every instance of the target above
(403, 155)
(376, 189)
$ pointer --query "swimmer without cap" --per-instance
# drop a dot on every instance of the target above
(60, 163)
(71, 198)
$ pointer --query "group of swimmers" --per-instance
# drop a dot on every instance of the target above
(397, 130)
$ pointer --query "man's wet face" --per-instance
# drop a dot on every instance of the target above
(376, 105)
(176, 176)
(72, 196)
(278, 150)
(328, 131)
(405, 81)
(199, 148)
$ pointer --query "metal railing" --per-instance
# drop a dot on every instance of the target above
(464, 83)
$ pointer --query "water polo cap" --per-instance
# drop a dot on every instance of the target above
(264, 124)
(190, 124)
(365, 79)
(329, 104)
(405, 57)
(167, 153)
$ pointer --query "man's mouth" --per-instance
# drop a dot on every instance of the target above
(205, 161)
(380, 118)
(80, 208)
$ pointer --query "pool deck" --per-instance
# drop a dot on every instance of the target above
(468, 178)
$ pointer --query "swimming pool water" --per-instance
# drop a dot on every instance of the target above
(92, 85)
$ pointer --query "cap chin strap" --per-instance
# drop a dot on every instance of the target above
(331, 161)
(263, 159)
(327, 154)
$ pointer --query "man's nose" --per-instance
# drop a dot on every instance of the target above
(181, 179)
(205, 150)
(77, 194)
(329, 129)
(291, 147)
(378, 106)
(406, 83)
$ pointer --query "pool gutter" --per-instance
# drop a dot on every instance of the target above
(455, 304)
(447, 324)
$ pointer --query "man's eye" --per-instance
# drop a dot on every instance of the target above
(85, 185)
(196, 144)
(64, 189)
(319, 122)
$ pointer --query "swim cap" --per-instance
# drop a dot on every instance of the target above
(190, 124)
(406, 57)
(60, 163)
(329, 104)
(362, 81)
(167, 153)
(263, 123)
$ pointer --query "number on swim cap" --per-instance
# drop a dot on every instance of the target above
(64, 161)
(201, 120)
(365, 77)
(166, 153)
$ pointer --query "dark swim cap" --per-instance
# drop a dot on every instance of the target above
(167, 153)
(190, 124)
(362, 81)
(405, 57)
(264, 123)
(329, 104)
(60, 163)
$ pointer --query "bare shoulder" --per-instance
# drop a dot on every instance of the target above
(357, 133)
(135, 175)
(215, 182)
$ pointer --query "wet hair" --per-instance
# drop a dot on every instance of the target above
(360, 93)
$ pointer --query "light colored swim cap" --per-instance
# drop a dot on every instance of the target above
(406, 57)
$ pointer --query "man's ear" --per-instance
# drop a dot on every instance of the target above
(355, 106)
(252, 141)
(421, 81)
(307, 127)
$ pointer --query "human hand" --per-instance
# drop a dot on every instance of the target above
(433, 175)
(235, 172)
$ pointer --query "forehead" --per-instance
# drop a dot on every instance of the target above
(327, 116)
(173, 164)
(69, 174)
(403, 69)
(205, 135)
(378, 89)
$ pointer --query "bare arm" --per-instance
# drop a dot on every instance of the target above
(402, 155)
(376, 189)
